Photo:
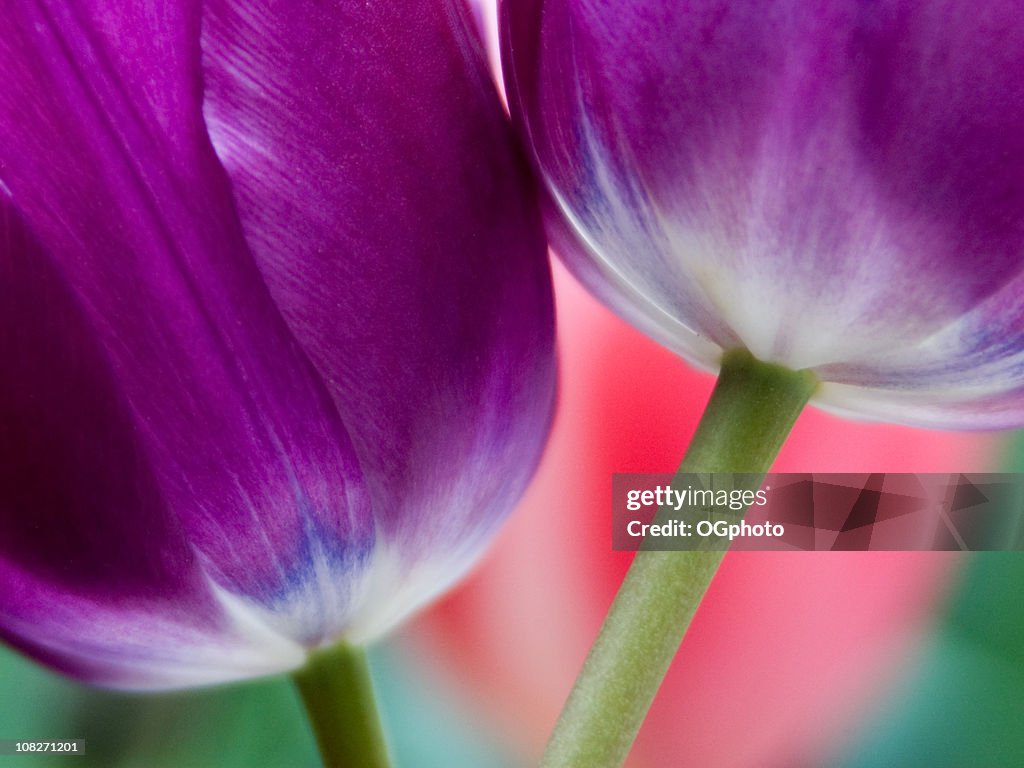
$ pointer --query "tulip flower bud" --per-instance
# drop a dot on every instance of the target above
(276, 327)
(837, 187)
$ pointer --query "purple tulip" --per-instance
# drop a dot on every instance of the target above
(276, 328)
(836, 186)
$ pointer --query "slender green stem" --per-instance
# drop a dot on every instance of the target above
(752, 409)
(337, 690)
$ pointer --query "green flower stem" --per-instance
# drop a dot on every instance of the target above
(337, 690)
(752, 410)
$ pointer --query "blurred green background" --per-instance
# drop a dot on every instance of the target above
(252, 724)
(962, 702)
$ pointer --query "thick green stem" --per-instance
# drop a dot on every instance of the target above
(752, 409)
(338, 693)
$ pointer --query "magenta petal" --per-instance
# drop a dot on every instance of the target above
(399, 238)
(99, 578)
(145, 332)
(834, 186)
(245, 414)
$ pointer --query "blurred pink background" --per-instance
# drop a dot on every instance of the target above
(787, 650)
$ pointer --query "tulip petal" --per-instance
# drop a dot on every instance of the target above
(400, 240)
(967, 375)
(99, 578)
(835, 187)
(223, 469)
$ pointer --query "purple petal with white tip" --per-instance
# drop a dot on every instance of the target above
(836, 186)
(277, 329)
(223, 462)
(401, 243)
(99, 576)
